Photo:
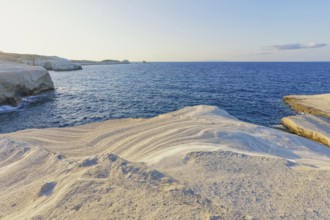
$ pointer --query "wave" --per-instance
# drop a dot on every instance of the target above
(8, 108)
(25, 101)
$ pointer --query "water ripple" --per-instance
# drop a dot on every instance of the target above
(250, 91)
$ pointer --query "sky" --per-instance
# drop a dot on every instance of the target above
(168, 30)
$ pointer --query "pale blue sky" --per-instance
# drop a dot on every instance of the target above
(168, 30)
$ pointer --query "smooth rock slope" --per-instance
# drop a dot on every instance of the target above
(18, 80)
(195, 163)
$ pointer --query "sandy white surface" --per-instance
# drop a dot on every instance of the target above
(195, 163)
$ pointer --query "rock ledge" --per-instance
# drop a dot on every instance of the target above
(314, 123)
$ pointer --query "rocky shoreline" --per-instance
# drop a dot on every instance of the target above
(26, 74)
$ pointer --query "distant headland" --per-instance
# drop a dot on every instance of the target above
(103, 62)
(54, 63)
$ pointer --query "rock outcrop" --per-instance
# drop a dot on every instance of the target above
(313, 127)
(314, 124)
(310, 104)
(18, 80)
(48, 62)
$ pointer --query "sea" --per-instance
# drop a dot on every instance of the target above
(250, 91)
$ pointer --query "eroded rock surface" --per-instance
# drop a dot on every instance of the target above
(195, 163)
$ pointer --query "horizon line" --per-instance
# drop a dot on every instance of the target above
(237, 61)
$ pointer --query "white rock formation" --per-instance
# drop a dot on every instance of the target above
(48, 62)
(17, 80)
(53, 63)
(195, 163)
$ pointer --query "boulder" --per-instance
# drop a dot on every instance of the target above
(18, 80)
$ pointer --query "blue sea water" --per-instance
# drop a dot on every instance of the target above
(249, 91)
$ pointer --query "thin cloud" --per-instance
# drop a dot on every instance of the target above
(295, 46)
(263, 53)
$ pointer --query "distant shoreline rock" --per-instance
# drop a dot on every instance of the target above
(19, 80)
(103, 62)
(48, 62)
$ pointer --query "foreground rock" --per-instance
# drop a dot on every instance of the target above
(48, 62)
(195, 163)
(18, 80)
(310, 104)
(313, 127)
